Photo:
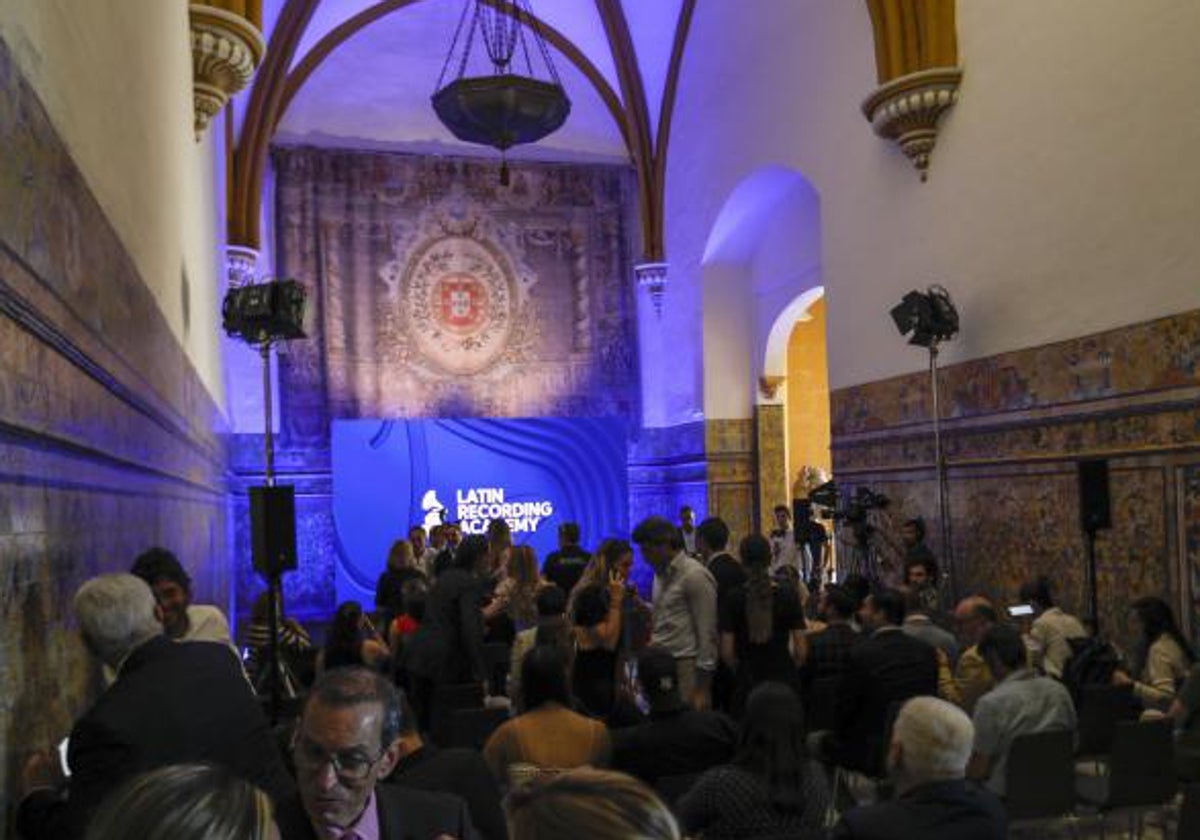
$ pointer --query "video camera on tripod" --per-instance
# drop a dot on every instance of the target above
(853, 510)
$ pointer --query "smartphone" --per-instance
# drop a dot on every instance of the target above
(1020, 610)
(62, 756)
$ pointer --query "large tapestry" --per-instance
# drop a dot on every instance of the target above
(437, 292)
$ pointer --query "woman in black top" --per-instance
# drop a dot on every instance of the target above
(448, 647)
(771, 788)
(596, 617)
(761, 626)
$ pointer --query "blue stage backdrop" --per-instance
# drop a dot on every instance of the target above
(534, 472)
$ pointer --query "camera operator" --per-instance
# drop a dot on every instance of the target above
(921, 571)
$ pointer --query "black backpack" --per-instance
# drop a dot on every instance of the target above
(1092, 663)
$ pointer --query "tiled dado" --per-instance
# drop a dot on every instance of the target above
(732, 477)
(107, 437)
(1016, 425)
(771, 438)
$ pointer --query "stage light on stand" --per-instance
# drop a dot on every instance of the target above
(931, 318)
(262, 314)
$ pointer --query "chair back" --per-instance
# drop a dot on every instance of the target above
(496, 660)
(1040, 775)
(820, 712)
(447, 699)
(671, 788)
(471, 728)
(1189, 812)
(1142, 765)
(1101, 708)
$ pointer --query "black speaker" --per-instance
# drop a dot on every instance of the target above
(1094, 513)
(273, 529)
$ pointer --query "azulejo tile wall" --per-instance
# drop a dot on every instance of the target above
(1015, 426)
(107, 437)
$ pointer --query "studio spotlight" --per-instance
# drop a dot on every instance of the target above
(930, 316)
(931, 319)
(265, 312)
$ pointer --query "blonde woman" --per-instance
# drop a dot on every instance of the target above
(589, 804)
(185, 802)
(516, 593)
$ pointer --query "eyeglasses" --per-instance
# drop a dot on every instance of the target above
(350, 766)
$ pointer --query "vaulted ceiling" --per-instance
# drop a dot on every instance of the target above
(359, 73)
(372, 87)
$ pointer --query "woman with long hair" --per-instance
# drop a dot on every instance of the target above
(547, 737)
(771, 788)
(761, 626)
(185, 802)
(352, 641)
(615, 557)
(596, 628)
(516, 594)
(1163, 659)
(389, 590)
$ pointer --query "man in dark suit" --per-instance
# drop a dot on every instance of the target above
(347, 739)
(172, 703)
(885, 669)
(462, 772)
(712, 540)
(927, 762)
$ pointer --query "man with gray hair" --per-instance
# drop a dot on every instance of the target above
(927, 762)
(347, 740)
(170, 704)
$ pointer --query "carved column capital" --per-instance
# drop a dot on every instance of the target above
(226, 50)
(652, 277)
(769, 386)
(907, 109)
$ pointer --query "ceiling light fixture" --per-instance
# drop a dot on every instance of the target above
(503, 109)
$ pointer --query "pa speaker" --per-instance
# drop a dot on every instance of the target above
(273, 529)
(1094, 513)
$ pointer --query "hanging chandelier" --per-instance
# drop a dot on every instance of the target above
(503, 109)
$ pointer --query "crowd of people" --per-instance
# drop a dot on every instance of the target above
(744, 695)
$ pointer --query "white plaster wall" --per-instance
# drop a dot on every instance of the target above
(1064, 194)
(116, 79)
(728, 341)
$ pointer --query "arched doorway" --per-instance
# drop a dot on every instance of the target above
(761, 274)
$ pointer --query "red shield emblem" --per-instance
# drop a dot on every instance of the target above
(461, 302)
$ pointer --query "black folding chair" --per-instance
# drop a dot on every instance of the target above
(1101, 708)
(447, 699)
(1189, 813)
(820, 710)
(1141, 773)
(496, 660)
(471, 728)
(1039, 782)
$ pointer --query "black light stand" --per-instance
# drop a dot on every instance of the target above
(260, 315)
(949, 576)
(1095, 515)
(932, 319)
(273, 572)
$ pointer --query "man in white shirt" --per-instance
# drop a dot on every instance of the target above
(784, 551)
(1052, 630)
(183, 621)
(685, 607)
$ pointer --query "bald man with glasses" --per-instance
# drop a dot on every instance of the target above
(346, 740)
